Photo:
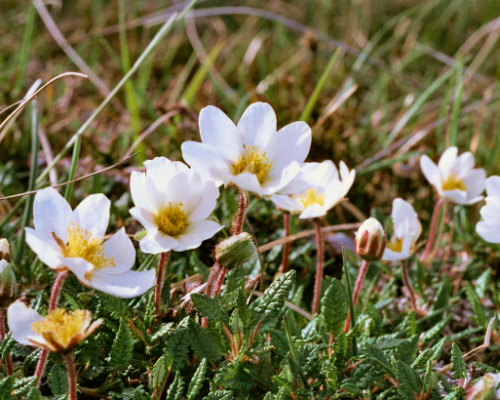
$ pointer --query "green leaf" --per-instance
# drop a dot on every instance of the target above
(176, 388)
(176, 349)
(204, 342)
(340, 351)
(458, 365)
(159, 373)
(209, 307)
(197, 382)
(407, 351)
(409, 381)
(430, 377)
(24, 385)
(6, 387)
(334, 307)
(434, 332)
(122, 348)
(475, 305)
(7, 345)
(457, 394)
(220, 395)
(58, 380)
(273, 299)
(34, 394)
(234, 377)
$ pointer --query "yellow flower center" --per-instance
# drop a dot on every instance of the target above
(312, 197)
(63, 323)
(453, 183)
(396, 245)
(254, 162)
(82, 244)
(171, 220)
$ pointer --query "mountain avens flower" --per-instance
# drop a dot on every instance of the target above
(489, 228)
(234, 250)
(407, 229)
(5, 250)
(253, 155)
(74, 240)
(173, 203)
(455, 177)
(325, 188)
(8, 284)
(370, 240)
(60, 331)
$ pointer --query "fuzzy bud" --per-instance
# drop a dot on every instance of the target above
(370, 240)
(8, 284)
(485, 388)
(234, 250)
(5, 250)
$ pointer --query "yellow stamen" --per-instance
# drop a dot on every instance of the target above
(82, 244)
(312, 197)
(63, 323)
(171, 220)
(396, 245)
(254, 162)
(453, 183)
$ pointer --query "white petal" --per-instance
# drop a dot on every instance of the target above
(157, 242)
(138, 189)
(125, 285)
(333, 194)
(475, 181)
(474, 200)
(463, 164)
(145, 217)
(327, 173)
(287, 203)
(93, 214)
(45, 248)
(120, 247)
(402, 210)
(247, 181)
(181, 190)
(291, 143)
(219, 132)
(493, 186)
(204, 229)
(457, 196)
(80, 267)
(188, 241)
(490, 233)
(207, 203)
(300, 184)
(257, 124)
(51, 213)
(206, 161)
(491, 211)
(159, 171)
(313, 211)
(447, 161)
(287, 175)
(390, 255)
(430, 171)
(20, 317)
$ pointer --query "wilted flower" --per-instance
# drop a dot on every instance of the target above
(326, 189)
(73, 240)
(455, 177)
(253, 155)
(60, 331)
(407, 229)
(234, 250)
(8, 284)
(489, 228)
(5, 250)
(173, 203)
(370, 240)
(486, 388)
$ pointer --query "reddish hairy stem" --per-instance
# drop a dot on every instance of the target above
(159, 280)
(220, 281)
(406, 280)
(214, 273)
(286, 247)
(8, 359)
(70, 365)
(357, 289)
(319, 267)
(432, 233)
(242, 205)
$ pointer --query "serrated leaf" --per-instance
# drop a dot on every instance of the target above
(408, 380)
(58, 380)
(430, 377)
(220, 395)
(458, 366)
(273, 299)
(197, 381)
(422, 358)
(234, 377)
(209, 307)
(176, 388)
(458, 393)
(176, 349)
(24, 385)
(434, 332)
(6, 387)
(475, 305)
(334, 307)
(204, 342)
(352, 388)
(34, 394)
(407, 351)
(441, 300)
(122, 348)
(377, 358)
(159, 373)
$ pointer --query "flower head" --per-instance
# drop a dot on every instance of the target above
(173, 203)
(74, 240)
(234, 250)
(489, 228)
(5, 250)
(316, 189)
(252, 155)
(370, 240)
(8, 284)
(407, 229)
(60, 331)
(455, 177)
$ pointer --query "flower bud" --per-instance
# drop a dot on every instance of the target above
(8, 284)
(485, 388)
(234, 250)
(370, 240)
(5, 250)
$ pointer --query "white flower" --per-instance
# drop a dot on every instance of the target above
(489, 229)
(326, 189)
(65, 239)
(5, 250)
(173, 204)
(455, 177)
(253, 155)
(60, 331)
(407, 229)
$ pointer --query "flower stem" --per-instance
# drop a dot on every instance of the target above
(70, 364)
(212, 278)
(242, 205)
(357, 288)
(406, 280)
(8, 359)
(54, 299)
(220, 281)
(286, 247)
(159, 280)
(432, 233)
(319, 266)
